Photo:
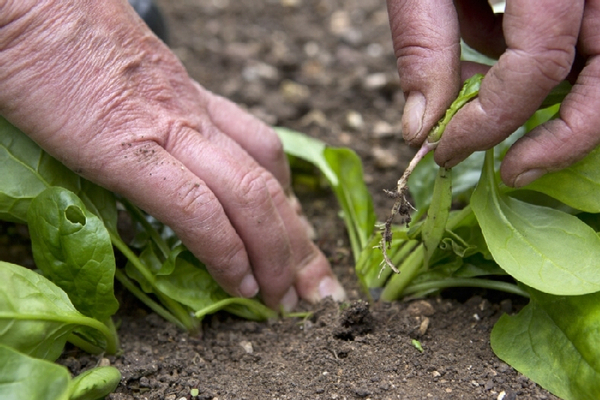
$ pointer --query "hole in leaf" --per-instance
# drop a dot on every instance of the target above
(75, 215)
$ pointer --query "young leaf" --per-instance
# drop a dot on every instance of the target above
(353, 196)
(544, 248)
(184, 279)
(343, 170)
(95, 383)
(36, 316)
(554, 342)
(434, 226)
(24, 377)
(73, 249)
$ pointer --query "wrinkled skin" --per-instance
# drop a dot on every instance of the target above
(537, 43)
(90, 83)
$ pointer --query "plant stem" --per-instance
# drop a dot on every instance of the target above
(141, 218)
(465, 282)
(409, 269)
(76, 320)
(235, 300)
(154, 306)
(177, 311)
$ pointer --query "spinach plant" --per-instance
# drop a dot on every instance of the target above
(545, 236)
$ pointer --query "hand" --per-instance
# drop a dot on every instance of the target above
(536, 44)
(95, 88)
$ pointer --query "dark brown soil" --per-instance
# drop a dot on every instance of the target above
(324, 67)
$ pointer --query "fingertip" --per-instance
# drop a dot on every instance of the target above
(248, 287)
(331, 287)
(315, 281)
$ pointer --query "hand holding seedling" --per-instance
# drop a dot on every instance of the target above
(95, 88)
(538, 44)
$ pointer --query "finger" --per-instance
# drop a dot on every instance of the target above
(165, 188)
(258, 139)
(563, 141)
(251, 198)
(541, 40)
(315, 279)
(480, 28)
(425, 34)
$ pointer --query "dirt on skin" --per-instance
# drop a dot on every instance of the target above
(326, 68)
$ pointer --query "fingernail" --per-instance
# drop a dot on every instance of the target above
(289, 300)
(249, 287)
(414, 110)
(330, 287)
(527, 177)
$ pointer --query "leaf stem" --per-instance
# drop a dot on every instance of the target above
(141, 218)
(465, 282)
(154, 306)
(81, 320)
(409, 269)
(177, 311)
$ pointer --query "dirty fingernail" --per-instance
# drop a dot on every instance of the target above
(289, 300)
(330, 287)
(414, 110)
(249, 287)
(528, 176)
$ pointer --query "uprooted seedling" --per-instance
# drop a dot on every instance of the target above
(402, 206)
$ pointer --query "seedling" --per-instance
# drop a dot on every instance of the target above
(402, 206)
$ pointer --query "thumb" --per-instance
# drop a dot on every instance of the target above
(426, 41)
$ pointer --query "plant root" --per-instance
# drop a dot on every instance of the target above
(401, 207)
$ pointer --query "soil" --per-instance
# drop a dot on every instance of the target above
(326, 68)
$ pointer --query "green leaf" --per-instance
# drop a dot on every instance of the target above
(554, 342)
(186, 280)
(36, 316)
(577, 186)
(434, 226)
(95, 383)
(354, 198)
(544, 248)
(468, 92)
(29, 170)
(73, 249)
(23, 377)
(343, 170)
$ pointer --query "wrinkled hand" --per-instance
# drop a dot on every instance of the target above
(94, 87)
(536, 43)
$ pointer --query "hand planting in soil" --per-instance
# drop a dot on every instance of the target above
(97, 90)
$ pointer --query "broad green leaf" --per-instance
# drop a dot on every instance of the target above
(554, 342)
(343, 170)
(577, 186)
(544, 248)
(23, 377)
(95, 383)
(72, 247)
(29, 170)
(36, 316)
(434, 226)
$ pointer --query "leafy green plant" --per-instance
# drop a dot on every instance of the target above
(544, 236)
